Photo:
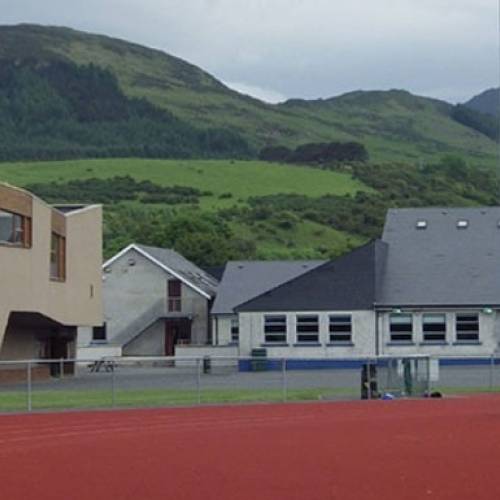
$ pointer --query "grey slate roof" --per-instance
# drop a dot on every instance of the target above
(442, 265)
(244, 280)
(348, 283)
(183, 267)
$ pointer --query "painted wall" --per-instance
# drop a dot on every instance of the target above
(135, 290)
(363, 336)
(489, 336)
(25, 284)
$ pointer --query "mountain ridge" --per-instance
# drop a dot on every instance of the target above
(394, 125)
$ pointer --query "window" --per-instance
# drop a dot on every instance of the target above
(15, 229)
(307, 329)
(340, 328)
(174, 296)
(58, 257)
(434, 327)
(99, 333)
(275, 329)
(401, 327)
(467, 327)
(235, 330)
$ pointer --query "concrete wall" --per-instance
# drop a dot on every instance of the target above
(363, 336)
(25, 283)
(489, 335)
(151, 342)
(221, 328)
(132, 286)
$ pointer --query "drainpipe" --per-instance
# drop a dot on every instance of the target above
(377, 333)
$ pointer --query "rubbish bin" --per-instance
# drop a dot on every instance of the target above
(207, 364)
(259, 360)
(369, 386)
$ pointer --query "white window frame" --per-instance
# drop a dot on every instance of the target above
(308, 321)
(408, 334)
(340, 333)
(267, 323)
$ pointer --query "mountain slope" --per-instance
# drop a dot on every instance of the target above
(488, 102)
(394, 125)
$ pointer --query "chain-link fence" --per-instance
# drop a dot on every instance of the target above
(38, 385)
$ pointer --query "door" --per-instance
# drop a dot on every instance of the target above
(171, 336)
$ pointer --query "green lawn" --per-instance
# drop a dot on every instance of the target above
(67, 400)
(242, 179)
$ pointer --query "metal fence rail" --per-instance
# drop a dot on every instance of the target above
(131, 382)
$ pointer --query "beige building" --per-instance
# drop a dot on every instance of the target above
(50, 275)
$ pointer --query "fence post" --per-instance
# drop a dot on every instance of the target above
(61, 368)
(28, 378)
(369, 378)
(198, 380)
(492, 370)
(285, 381)
(113, 383)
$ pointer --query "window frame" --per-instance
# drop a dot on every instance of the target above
(473, 334)
(57, 257)
(235, 330)
(275, 325)
(430, 335)
(174, 295)
(307, 326)
(101, 329)
(334, 337)
(405, 336)
(20, 224)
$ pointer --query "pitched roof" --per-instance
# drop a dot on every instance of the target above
(344, 284)
(174, 263)
(243, 280)
(442, 264)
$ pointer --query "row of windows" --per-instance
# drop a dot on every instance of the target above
(434, 327)
(307, 329)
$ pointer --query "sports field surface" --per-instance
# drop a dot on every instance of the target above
(404, 450)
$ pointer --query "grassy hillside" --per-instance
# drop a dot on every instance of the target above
(395, 125)
(213, 211)
(225, 186)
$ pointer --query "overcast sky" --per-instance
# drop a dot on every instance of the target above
(277, 49)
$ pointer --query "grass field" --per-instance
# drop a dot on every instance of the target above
(58, 400)
(79, 399)
(242, 179)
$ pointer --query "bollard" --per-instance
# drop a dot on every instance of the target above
(198, 379)
(285, 381)
(28, 379)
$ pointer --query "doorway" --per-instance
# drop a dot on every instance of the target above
(177, 331)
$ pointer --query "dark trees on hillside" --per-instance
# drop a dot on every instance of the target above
(317, 153)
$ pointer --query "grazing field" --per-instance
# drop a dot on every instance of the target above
(442, 449)
(243, 179)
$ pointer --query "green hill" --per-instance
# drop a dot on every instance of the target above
(487, 102)
(212, 211)
(394, 125)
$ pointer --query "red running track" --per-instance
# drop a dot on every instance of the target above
(404, 450)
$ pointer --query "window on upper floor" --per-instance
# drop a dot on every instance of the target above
(308, 329)
(275, 329)
(15, 229)
(174, 295)
(340, 328)
(434, 327)
(401, 327)
(467, 327)
(57, 257)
